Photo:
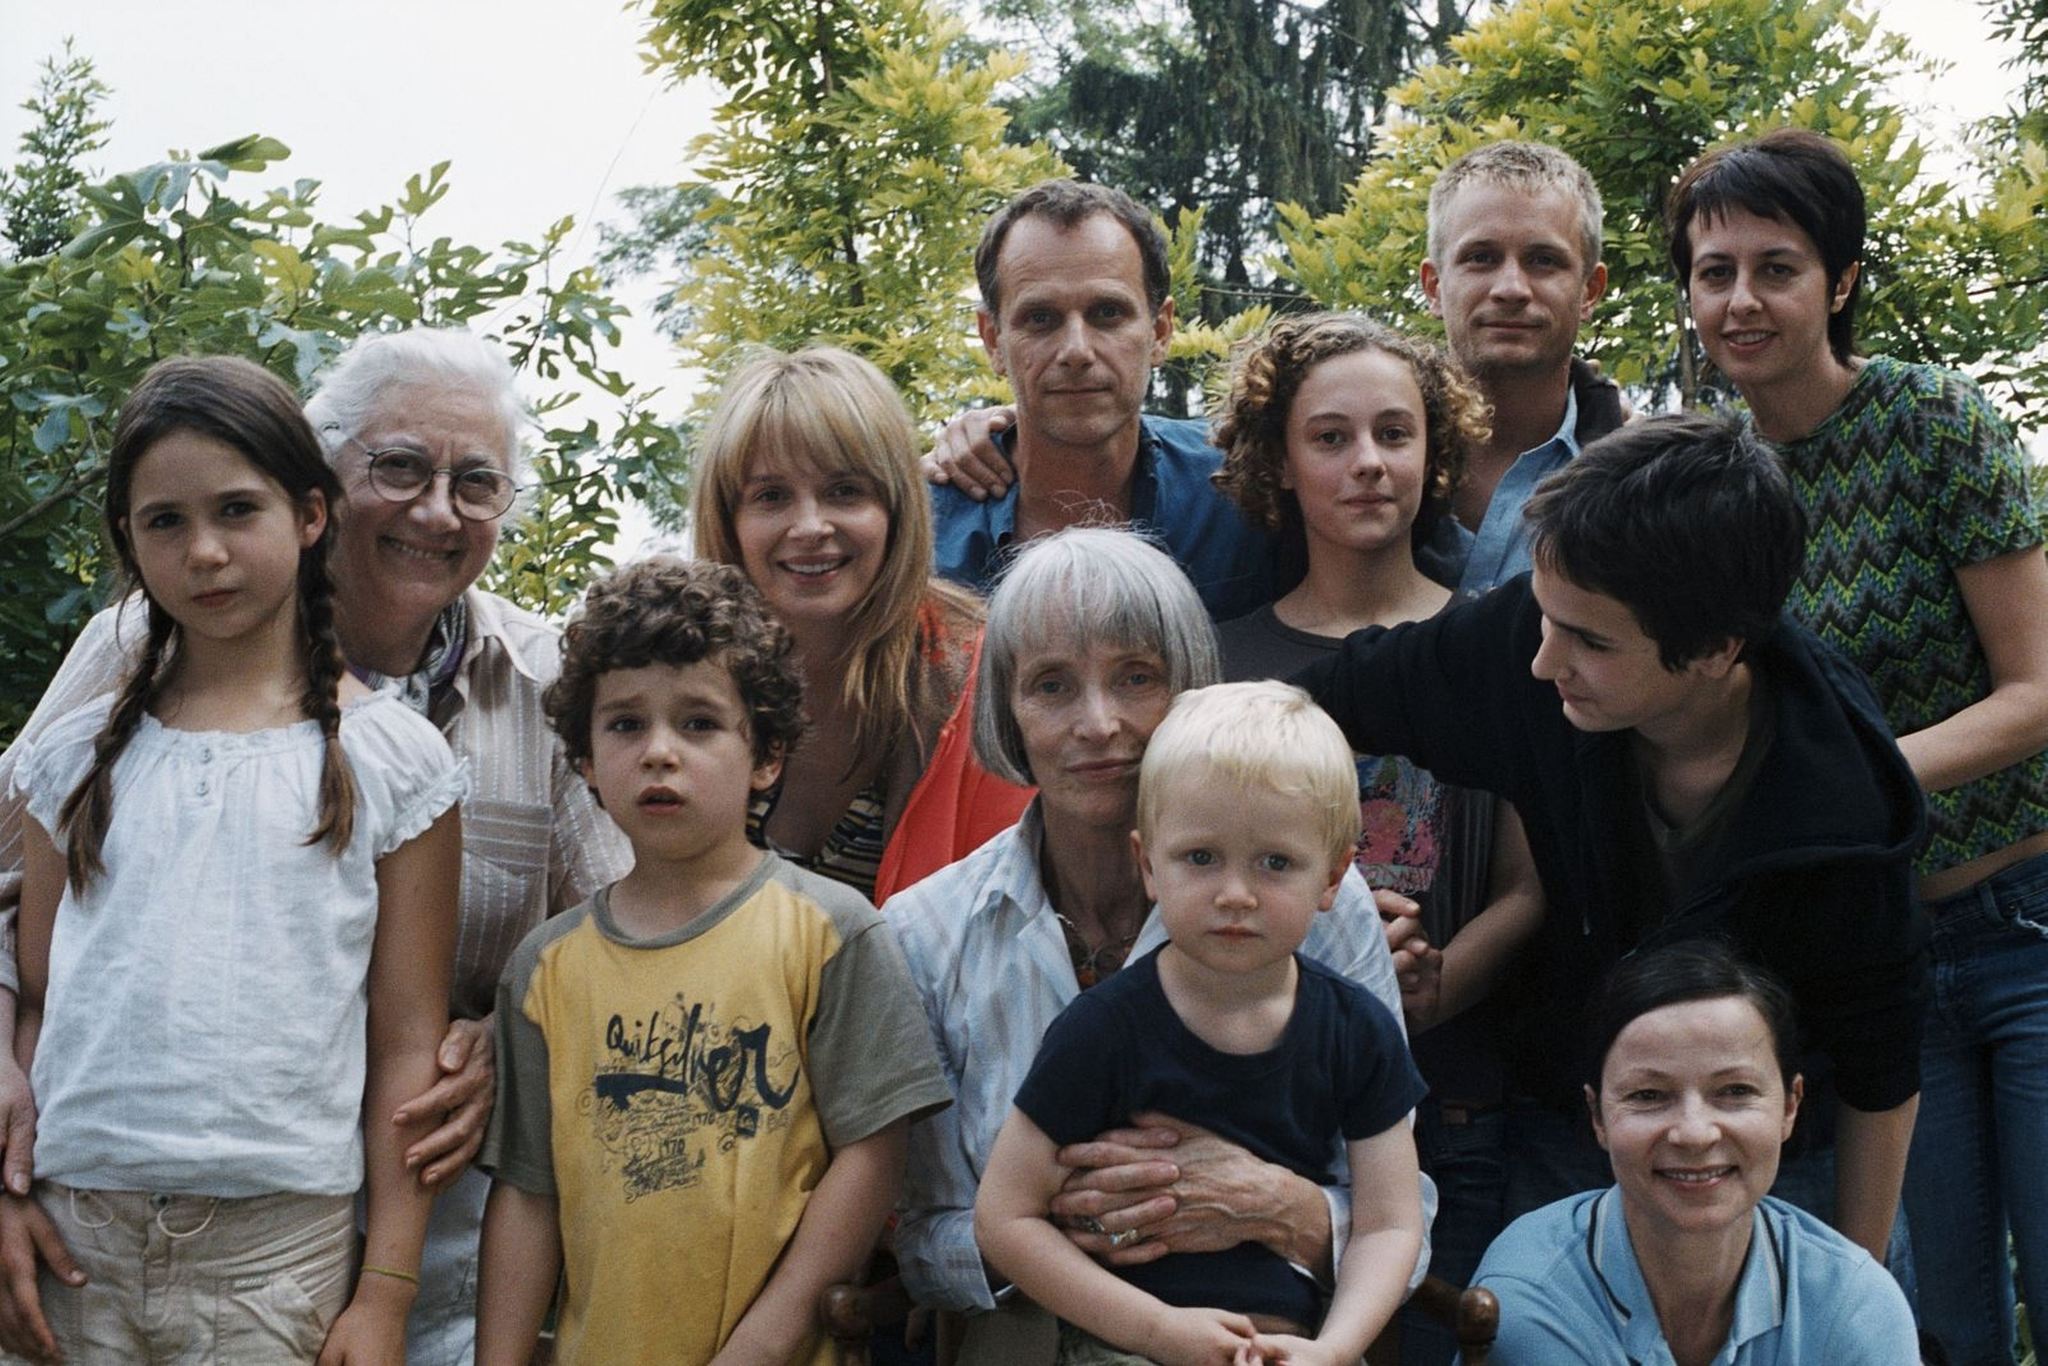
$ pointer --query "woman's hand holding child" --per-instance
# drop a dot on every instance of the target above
(461, 1097)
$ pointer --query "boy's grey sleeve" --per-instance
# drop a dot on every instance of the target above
(519, 1146)
(871, 1056)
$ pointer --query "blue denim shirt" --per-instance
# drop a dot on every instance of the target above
(1477, 562)
(1172, 501)
(1570, 1289)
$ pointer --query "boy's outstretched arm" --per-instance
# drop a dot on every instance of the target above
(1019, 1240)
(516, 1273)
(840, 1223)
(1386, 1233)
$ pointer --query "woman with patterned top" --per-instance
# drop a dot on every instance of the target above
(807, 481)
(396, 412)
(1924, 564)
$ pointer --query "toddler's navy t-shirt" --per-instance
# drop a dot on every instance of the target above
(1341, 1071)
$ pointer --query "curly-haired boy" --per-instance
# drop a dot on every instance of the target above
(706, 1071)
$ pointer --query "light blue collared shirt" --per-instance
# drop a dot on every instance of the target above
(1571, 1290)
(990, 962)
(1499, 550)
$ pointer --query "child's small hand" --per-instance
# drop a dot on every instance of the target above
(1197, 1337)
(371, 1331)
(1418, 964)
(1287, 1349)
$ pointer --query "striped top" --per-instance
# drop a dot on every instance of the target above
(1914, 476)
(852, 851)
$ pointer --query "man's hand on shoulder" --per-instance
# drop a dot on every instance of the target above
(964, 454)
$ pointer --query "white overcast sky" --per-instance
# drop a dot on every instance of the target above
(543, 106)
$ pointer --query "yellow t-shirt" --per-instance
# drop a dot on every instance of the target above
(681, 1097)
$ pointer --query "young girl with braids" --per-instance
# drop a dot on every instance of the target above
(236, 919)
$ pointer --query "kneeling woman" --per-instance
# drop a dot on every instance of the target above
(1684, 1259)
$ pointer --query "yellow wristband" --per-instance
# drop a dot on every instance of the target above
(393, 1273)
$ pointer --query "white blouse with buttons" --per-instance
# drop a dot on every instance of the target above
(204, 1024)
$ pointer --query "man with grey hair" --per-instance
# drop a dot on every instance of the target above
(1513, 269)
(1075, 311)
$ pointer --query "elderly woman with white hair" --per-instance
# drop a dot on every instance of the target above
(423, 427)
(1090, 635)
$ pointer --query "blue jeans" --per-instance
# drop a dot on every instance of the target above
(1467, 1160)
(1980, 1149)
(1551, 1153)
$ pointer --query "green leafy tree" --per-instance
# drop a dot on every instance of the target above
(1222, 108)
(2024, 23)
(39, 198)
(1635, 89)
(856, 155)
(1228, 106)
(666, 228)
(177, 258)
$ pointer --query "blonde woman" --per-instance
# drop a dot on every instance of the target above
(807, 481)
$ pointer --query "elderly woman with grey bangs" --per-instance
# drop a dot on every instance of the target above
(423, 427)
(1090, 635)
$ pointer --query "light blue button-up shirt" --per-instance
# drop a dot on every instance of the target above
(1571, 1290)
(1499, 550)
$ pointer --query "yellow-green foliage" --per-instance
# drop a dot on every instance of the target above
(1635, 89)
(855, 158)
(181, 257)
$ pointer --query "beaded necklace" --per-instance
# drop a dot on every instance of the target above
(1092, 965)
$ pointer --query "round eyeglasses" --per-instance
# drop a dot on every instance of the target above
(478, 493)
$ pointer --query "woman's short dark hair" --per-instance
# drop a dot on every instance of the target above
(1687, 520)
(1791, 175)
(1695, 970)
